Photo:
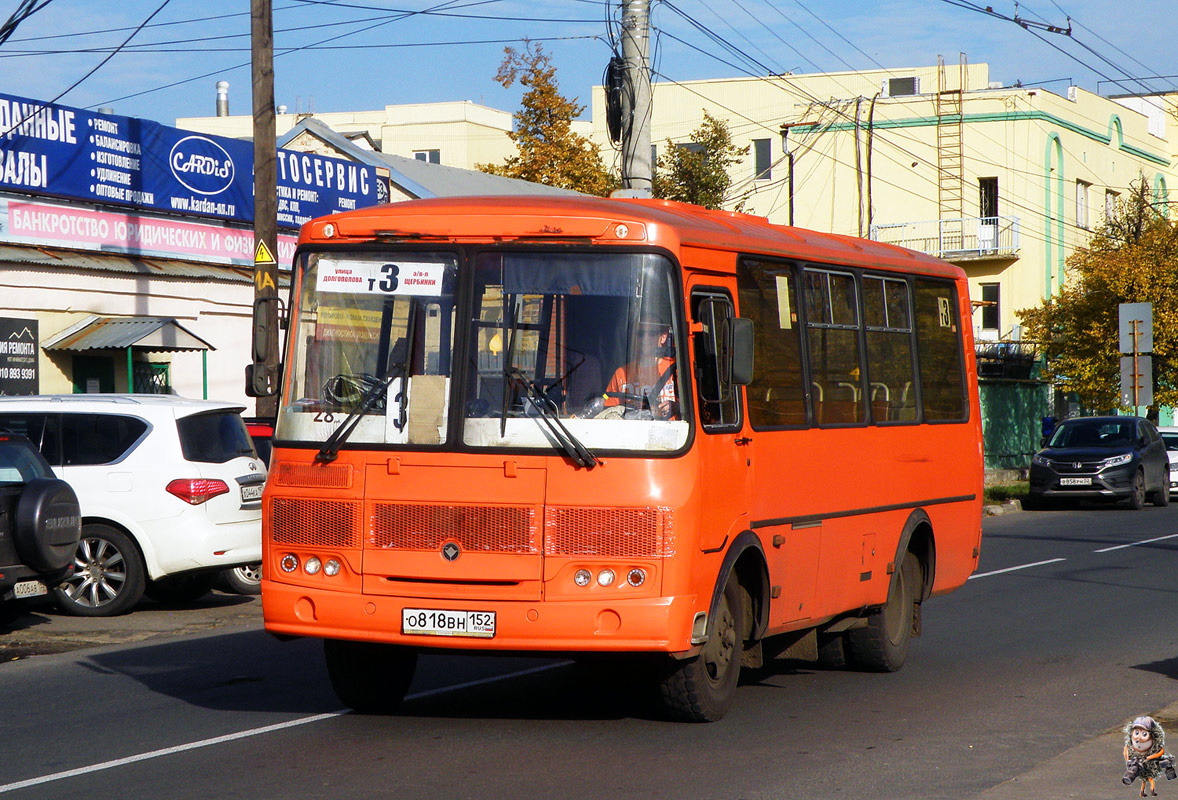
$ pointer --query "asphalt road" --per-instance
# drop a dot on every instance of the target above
(1016, 689)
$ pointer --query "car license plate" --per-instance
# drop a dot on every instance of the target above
(252, 492)
(1075, 481)
(29, 589)
(433, 622)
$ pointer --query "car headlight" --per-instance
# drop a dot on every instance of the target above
(1116, 461)
(1041, 460)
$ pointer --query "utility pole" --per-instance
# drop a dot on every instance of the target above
(636, 107)
(262, 374)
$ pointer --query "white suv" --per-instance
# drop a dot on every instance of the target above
(170, 490)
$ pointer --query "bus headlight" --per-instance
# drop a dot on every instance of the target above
(582, 577)
(289, 562)
(331, 567)
(312, 566)
(605, 577)
(637, 577)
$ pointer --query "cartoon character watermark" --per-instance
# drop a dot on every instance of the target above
(1145, 754)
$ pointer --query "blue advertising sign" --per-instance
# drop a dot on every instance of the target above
(103, 158)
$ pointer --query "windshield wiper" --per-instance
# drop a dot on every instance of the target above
(400, 369)
(577, 452)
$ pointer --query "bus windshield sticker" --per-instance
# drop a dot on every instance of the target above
(945, 312)
(784, 316)
(381, 277)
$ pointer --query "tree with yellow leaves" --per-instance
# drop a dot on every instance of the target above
(549, 151)
(1132, 258)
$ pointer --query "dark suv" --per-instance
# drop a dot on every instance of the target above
(1114, 458)
(40, 523)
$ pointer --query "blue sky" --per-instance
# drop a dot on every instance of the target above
(344, 55)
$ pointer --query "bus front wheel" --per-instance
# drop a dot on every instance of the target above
(369, 677)
(882, 645)
(701, 689)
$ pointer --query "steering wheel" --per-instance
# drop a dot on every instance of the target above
(630, 406)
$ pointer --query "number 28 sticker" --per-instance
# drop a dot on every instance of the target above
(380, 277)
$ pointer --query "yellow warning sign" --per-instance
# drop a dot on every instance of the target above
(263, 256)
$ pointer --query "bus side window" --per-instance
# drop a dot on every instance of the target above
(716, 397)
(768, 296)
(832, 331)
(887, 317)
(938, 348)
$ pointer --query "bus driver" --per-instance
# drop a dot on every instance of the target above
(649, 380)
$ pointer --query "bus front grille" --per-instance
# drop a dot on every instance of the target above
(318, 523)
(476, 529)
(313, 476)
(608, 532)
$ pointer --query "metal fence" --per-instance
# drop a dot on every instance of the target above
(954, 238)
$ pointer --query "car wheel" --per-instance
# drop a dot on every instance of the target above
(701, 689)
(1161, 497)
(1137, 498)
(369, 677)
(181, 588)
(242, 580)
(882, 646)
(108, 578)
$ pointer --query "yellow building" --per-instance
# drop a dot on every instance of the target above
(1005, 181)
(454, 134)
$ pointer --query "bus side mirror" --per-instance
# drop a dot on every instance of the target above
(742, 351)
(261, 380)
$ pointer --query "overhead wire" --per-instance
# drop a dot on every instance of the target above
(730, 49)
(95, 69)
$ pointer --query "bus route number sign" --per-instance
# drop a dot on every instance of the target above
(354, 276)
(435, 622)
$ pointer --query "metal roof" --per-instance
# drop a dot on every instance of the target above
(117, 262)
(152, 334)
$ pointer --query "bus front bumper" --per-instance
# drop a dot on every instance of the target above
(658, 624)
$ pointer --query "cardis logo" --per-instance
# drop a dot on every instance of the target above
(201, 165)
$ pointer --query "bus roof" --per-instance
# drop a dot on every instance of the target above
(597, 220)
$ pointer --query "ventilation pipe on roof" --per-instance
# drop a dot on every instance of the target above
(222, 98)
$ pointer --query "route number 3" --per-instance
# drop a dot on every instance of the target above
(388, 281)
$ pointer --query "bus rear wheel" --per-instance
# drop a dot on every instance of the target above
(882, 646)
(701, 689)
(369, 677)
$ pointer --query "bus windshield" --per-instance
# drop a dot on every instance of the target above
(566, 351)
(590, 339)
(371, 349)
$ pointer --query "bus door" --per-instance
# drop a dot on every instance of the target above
(724, 452)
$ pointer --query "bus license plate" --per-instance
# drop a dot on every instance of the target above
(252, 492)
(29, 589)
(1075, 481)
(433, 622)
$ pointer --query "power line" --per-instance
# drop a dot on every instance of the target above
(25, 10)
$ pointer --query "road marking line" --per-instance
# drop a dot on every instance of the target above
(1134, 544)
(230, 737)
(1012, 569)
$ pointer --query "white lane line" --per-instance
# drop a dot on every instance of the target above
(1012, 569)
(167, 751)
(230, 737)
(1134, 544)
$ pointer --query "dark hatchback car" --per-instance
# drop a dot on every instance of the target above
(40, 523)
(1111, 458)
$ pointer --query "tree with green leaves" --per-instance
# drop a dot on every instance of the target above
(1132, 258)
(549, 151)
(697, 172)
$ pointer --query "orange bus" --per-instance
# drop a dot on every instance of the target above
(582, 425)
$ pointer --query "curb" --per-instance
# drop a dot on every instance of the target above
(997, 510)
(1089, 770)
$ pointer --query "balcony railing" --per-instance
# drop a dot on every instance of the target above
(971, 237)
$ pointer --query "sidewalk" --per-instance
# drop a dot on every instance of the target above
(43, 630)
(1090, 770)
